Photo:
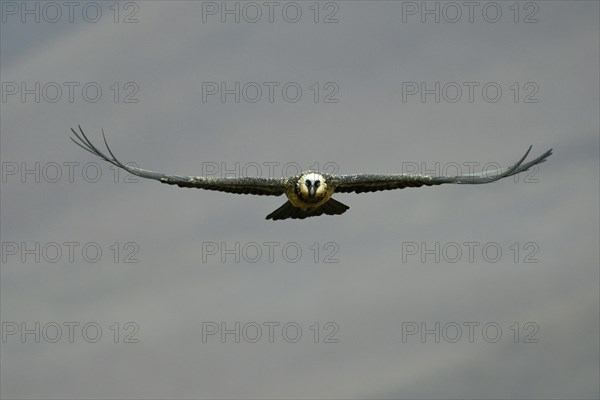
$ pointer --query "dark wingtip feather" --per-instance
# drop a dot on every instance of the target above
(86, 144)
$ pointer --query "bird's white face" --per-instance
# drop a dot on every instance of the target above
(313, 186)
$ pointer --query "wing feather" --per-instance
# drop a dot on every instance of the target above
(360, 183)
(241, 185)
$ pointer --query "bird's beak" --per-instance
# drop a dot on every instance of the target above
(312, 190)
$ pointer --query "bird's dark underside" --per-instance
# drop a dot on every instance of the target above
(332, 207)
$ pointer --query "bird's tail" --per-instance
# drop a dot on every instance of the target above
(287, 210)
(332, 207)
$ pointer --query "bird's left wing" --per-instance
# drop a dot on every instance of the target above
(360, 183)
(242, 185)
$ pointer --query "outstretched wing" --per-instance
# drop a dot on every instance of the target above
(373, 182)
(242, 185)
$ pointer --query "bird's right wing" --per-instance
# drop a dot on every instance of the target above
(360, 183)
(242, 185)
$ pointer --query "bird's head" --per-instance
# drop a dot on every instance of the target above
(312, 185)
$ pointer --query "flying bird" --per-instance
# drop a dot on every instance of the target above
(309, 193)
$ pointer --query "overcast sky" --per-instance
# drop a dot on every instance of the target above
(488, 291)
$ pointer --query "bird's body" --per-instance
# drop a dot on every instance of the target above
(309, 190)
(310, 193)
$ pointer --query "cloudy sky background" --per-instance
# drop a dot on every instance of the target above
(375, 287)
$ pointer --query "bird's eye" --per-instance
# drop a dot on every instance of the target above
(307, 183)
(317, 183)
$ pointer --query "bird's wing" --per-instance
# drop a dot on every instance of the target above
(373, 182)
(243, 185)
